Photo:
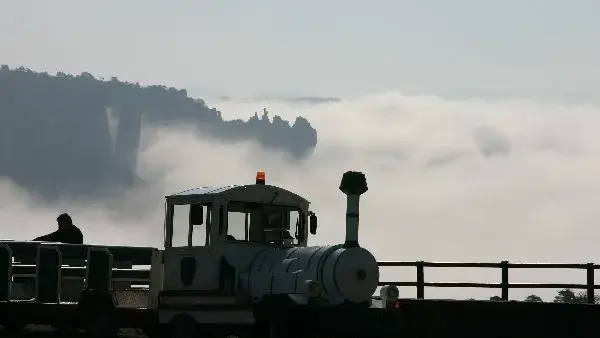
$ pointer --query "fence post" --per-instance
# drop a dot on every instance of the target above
(6, 272)
(504, 283)
(420, 280)
(99, 269)
(48, 274)
(590, 283)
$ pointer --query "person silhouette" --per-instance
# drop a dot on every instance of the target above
(67, 232)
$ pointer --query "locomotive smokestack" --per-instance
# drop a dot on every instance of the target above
(353, 185)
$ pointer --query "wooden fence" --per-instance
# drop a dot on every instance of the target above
(504, 284)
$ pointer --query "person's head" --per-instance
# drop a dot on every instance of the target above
(64, 221)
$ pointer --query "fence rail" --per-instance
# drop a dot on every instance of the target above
(504, 284)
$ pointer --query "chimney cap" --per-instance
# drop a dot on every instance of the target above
(354, 183)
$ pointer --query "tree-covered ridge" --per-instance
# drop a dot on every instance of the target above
(76, 134)
(562, 296)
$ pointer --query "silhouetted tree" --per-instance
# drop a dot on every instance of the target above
(581, 297)
(533, 299)
(569, 296)
(565, 296)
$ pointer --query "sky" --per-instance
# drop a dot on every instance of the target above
(474, 122)
(339, 47)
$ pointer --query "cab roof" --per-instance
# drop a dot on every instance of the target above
(204, 191)
(233, 191)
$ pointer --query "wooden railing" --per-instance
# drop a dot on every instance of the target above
(504, 284)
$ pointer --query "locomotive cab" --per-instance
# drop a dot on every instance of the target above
(213, 234)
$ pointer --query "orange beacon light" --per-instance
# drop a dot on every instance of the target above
(260, 177)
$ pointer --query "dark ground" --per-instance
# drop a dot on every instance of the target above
(48, 332)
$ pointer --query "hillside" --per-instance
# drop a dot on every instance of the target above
(55, 130)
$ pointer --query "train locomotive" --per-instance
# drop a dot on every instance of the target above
(236, 262)
(270, 280)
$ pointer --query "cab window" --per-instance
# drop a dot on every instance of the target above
(263, 223)
(191, 225)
